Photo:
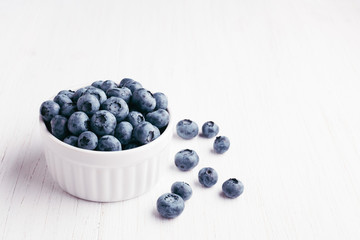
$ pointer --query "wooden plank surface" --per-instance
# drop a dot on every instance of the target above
(281, 79)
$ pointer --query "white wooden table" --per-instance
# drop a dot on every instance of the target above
(281, 78)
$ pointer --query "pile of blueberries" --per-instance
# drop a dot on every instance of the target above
(171, 205)
(107, 116)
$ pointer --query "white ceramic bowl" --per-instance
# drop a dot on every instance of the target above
(105, 176)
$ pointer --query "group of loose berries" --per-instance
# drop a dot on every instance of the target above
(171, 205)
(107, 116)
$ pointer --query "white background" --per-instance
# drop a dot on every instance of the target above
(281, 79)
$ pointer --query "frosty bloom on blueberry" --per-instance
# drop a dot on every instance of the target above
(182, 189)
(233, 188)
(170, 205)
(186, 159)
(208, 177)
(221, 144)
(210, 129)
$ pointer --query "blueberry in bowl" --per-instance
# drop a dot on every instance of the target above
(103, 150)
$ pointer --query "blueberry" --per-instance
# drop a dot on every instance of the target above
(143, 100)
(67, 109)
(135, 118)
(61, 99)
(97, 84)
(116, 106)
(88, 140)
(182, 189)
(89, 104)
(69, 93)
(58, 127)
(125, 81)
(187, 129)
(186, 159)
(123, 93)
(78, 94)
(145, 132)
(208, 177)
(131, 146)
(233, 188)
(133, 86)
(210, 129)
(78, 122)
(98, 93)
(108, 84)
(109, 143)
(123, 132)
(103, 123)
(48, 110)
(159, 118)
(71, 140)
(170, 205)
(221, 144)
(161, 100)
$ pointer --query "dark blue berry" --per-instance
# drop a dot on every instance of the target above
(161, 100)
(103, 123)
(108, 143)
(186, 159)
(159, 118)
(187, 129)
(58, 127)
(170, 205)
(123, 93)
(78, 122)
(208, 177)
(62, 99)
(48, 110)
(182, 189)
(125, 81)
(221, 144)
(88, 140)
(116, 106)
(135, 118)
(123, 132)
(108, 84)
(210, 129)
(145, 132)
(97, 84)
(233, 188)
(143, 100)
(88, 103)
(71, 140)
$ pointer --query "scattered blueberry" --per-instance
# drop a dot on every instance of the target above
(123, 132)
(145, 132)
(48, 110)
(208, 177)
(123, 93)
(161, 100)
(187, 129)
(58, 127)
(221, 144)
(125, 81)
(89, 104)
(210, 129)
(88, 140)
(108, 84)
(143, 100)
(135, 118)
(78, 122)
(159, 118)
(182, 189)
(103, 123)
(71, 140)
(170, 205)
(186, 159)
(109, 143)
(116, 106)
(233, 188)
(97, 84)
